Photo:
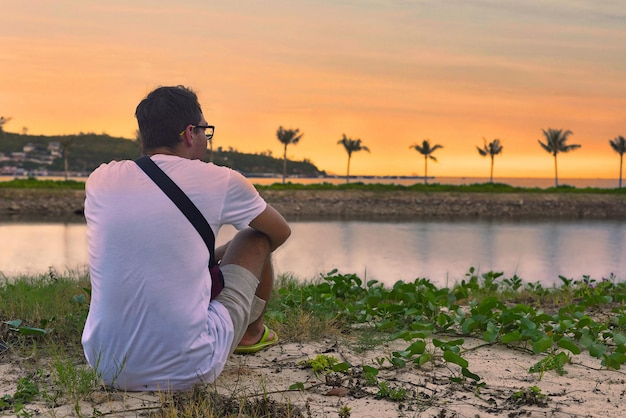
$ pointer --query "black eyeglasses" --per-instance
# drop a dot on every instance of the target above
(208, 130)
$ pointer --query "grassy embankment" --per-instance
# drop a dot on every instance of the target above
(32, 183)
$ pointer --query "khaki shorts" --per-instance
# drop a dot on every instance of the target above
(239, 299)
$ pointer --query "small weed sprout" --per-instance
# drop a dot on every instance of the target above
(74, 381)
(395, 394)
(370, 375)
(529, 396)
(321, 364)
(344, 412)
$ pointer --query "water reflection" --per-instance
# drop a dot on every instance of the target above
(440, 251)
(34, 247)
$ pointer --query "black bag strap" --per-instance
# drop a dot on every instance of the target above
(182, 201)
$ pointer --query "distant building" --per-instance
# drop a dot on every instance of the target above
(18, 156)
(55, 149)
(30, 147)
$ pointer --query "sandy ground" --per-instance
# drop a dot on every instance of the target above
(587, 390)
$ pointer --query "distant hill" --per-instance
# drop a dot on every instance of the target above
(32, 153)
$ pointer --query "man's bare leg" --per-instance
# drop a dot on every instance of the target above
(250, 249)
(255, 329)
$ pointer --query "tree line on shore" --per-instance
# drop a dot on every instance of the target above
(82, 153)
(555, 143)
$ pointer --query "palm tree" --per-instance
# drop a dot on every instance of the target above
(3, 121)
(286, 137)
(492, 149)
(619, 145)
(66, 143)
(556, 142)
(426, 150)
(351, 145)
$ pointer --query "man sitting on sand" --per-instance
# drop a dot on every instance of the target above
(152, 324)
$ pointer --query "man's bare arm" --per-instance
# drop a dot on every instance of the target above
(272, 224)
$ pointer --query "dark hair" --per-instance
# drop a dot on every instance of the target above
(164, 113)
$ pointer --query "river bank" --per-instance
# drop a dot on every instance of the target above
(67, 205)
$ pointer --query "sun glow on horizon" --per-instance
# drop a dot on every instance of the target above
(391, 74)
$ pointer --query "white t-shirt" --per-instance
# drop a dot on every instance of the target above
(150, 324)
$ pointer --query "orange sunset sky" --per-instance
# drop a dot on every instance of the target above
(391, 73)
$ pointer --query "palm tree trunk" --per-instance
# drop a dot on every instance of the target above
(556, 173)
(425, 169)
(491, 172)
(285, 163)
(621, 160)
(348, 171)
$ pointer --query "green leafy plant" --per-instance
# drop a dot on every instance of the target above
(514, 283)
(529, 396)
(419, 312)
(554, 361)
(321, 364)
(16, 325)
(370, 374)
(26, 391)
(393, 393)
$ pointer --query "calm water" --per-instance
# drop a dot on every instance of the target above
(440, 251)
(542, 183)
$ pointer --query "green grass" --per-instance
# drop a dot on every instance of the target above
(48, 302)
(42, 317)
(32, 183)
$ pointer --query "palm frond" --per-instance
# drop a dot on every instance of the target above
(618, 144)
